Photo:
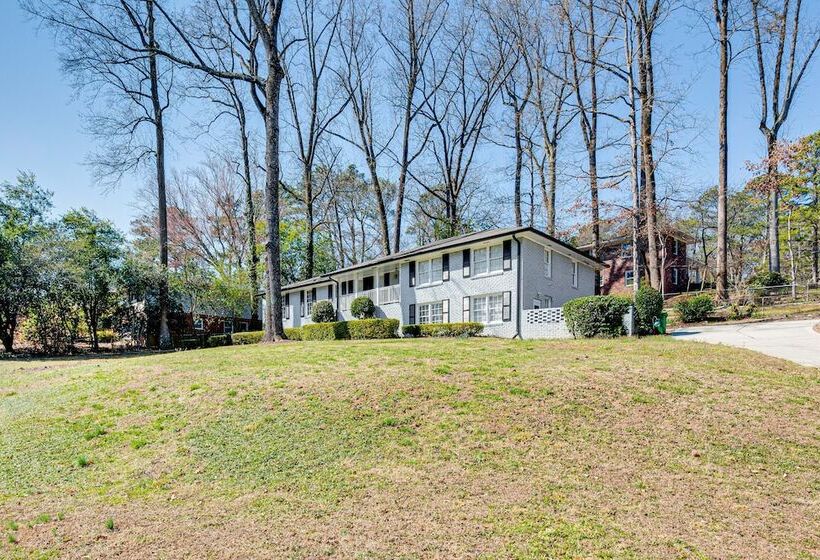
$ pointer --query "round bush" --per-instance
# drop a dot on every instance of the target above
(323, 312)
(695, 309)
(362, 307)
(649, 306)
(596, 316)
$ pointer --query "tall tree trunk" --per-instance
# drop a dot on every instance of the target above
(773, 226)
(250, 222)
(273, 311)
(815, 241)
(310, 249)
(722, 15)
(405, 158)
(519, 152)
(165, 341)
(647, 95)
(553, 186)
(634, 164)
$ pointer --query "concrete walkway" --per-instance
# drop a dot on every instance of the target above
(791, 340)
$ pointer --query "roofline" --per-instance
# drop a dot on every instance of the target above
(424, 249)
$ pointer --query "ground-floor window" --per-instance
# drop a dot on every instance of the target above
(629, 277)
(199, 324)
(487, 309)
(675, 276)
(227, 326)
(432, 312)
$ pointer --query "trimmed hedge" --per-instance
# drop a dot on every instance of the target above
(218, 340)
(362, 307)
(373, 328)
(695, 309)
(325, 331)
(451, 329)
(596, 316)
(648, 307)
(190, 343)
(250, 337)
(767, 279)
(293, 333)
(323, 312)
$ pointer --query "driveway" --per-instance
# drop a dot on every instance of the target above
(791, 340)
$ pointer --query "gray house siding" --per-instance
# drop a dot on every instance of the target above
(533, 283)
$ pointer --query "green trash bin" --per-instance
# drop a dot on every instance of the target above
(660, 323)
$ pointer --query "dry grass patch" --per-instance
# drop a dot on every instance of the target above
(415, 449)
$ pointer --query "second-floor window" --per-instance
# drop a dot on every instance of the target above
(626, 250)
(428, 272)
(676, 247)
(488, 260)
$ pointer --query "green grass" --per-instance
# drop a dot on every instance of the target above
(424, 448)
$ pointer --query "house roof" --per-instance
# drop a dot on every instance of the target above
(627, 238)
(442, 244)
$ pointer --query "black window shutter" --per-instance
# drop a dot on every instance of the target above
(301, 303)
(412, 313)
(465, 263)
(386, 279)
(313, 294)
(287, 306)
(344, 288)
(330, 291)
(507, 252)
(412, 278)
(445, 267)
(445, 311)
(506, 304)
(465, 309)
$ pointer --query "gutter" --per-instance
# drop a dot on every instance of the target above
(518, 288)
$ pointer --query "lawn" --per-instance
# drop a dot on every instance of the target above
(477, 448)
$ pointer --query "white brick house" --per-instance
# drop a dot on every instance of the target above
(492, 277)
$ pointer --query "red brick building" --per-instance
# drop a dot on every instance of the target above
(619, 277)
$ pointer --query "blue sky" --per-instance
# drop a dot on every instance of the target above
(41, 128)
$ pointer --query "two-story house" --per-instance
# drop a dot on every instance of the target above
(489, 277)
(619, 276)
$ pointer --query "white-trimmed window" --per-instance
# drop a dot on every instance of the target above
(536, 303)
(432, 312)
(488, 260)
(629, 276)
(626, 250)
(676, 249)
(547, 301)
(227, 326)
(309, 301)
(487, 309)
(428, 272)
(675, 275)
(574, 274)
(199, 324)
(547, 263)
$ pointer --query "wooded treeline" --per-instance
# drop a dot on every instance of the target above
(341, 130)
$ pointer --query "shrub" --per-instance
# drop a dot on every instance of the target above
(189, 343)
(323, 312)
(648, 307)
(767, 279)
(695, 309)
(411, 331)
(218, 340)
(325, 331)
(373, 328)
(294, 333)
(250, 337)
(737, 311)
(451, 329)
(362, 307)
(596, 315)
(106, 335)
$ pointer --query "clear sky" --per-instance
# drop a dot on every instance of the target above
(41, 128)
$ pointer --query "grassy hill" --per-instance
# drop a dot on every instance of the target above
(413, 449)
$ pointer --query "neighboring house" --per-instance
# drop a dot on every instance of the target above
(489, 277)
(619, 276)
(206, 320)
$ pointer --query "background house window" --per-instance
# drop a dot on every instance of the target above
(629, 277)
(227, 326)
(487, 309)
(575, 274)
(488, 260)
(676, 248)
(547, 263)
(199, 324)
(626, 250)
(675, 276)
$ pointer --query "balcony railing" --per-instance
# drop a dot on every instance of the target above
(380, 296)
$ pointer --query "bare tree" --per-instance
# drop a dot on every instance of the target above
(314, 103)
(108, 50)
(777, 30)
(412, 46)
(240, 27)
(356, 73)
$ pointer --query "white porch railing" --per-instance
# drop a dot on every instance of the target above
(380, 296)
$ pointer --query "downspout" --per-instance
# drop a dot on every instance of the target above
(518, 288)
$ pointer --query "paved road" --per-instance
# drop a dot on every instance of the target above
(792, 340)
